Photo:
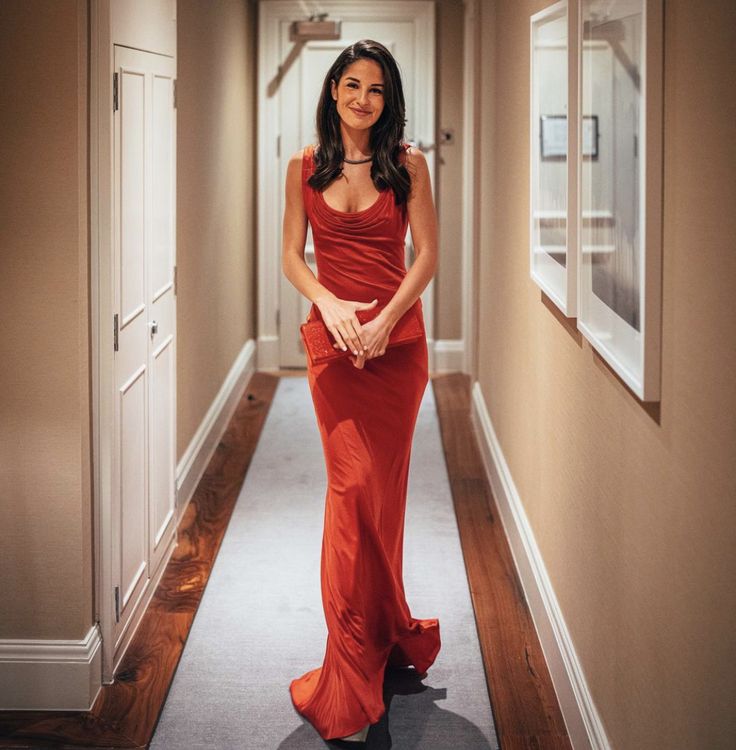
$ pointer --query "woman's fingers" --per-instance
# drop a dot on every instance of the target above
(359, 360)
(350, 336)
(334, 330)
(346, 329)
(358, 335)
(344, 341)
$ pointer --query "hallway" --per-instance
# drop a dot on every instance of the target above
(262, 602)
(571, 516)
(206, 667)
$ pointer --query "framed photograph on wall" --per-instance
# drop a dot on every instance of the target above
(619, 225)
(552, 198)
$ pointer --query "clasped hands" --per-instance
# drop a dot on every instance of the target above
(365, 341)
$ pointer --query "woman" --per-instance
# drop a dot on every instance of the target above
(359, 188)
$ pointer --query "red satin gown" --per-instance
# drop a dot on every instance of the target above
(366, 420)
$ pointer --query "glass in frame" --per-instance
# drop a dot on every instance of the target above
(619, 286)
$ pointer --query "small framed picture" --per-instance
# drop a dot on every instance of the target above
(553, 136)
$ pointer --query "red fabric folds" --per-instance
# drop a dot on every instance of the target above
(366, 420)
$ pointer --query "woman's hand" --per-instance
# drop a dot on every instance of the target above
(374, 335)
(340, 319)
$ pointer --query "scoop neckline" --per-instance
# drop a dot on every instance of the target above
(347, 213)
(352, 213)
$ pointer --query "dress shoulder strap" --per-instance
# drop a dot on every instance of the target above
(403, 153)
(307, 162)
(307, 170)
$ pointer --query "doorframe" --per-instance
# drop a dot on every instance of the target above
(102, 368)
(101, 316)
(271, 14)
(471, 189)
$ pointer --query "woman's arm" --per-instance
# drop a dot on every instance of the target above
(294, 235)
(423, 225)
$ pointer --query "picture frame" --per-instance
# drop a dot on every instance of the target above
(552, 195)
(620, 63)
(553, 136)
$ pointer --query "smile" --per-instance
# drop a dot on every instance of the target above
(360, 112)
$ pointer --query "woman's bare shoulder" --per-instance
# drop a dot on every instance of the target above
(302, 152)
(415, 160)
(414, 154)
(297, 156)
(296, 160)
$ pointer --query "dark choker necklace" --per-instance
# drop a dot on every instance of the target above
(357, 161)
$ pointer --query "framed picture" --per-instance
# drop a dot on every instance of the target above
(619, 226)
(553, 136)
(552, 200)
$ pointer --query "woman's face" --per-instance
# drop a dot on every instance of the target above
(359, 94)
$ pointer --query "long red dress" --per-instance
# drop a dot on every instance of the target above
(366, 419)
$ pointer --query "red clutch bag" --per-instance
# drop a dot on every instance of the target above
(318, 340)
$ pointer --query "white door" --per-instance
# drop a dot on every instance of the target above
(291, 80)
(144, 306)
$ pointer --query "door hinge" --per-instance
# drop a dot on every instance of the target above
(117, 604)
(176, 282)
(174, 87)
(278, 317)
(278, 146)
(115, 92)
(115, 332)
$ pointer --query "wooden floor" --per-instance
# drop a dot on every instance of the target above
(125, 714)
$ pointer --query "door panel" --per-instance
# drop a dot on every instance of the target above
(163, 306)
(132, 481)
(131, 359)
(144, 133)
(162, 229)
(132, 198)
(163, 368)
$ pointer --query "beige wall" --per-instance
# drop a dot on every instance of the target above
(448, 278)
(45, 497)
(634, 512)
(216, 140)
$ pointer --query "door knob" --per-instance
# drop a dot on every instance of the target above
(154, 327)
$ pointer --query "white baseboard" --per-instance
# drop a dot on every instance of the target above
(199, 452)
(581, 717)
(46, 675)
(449, 355)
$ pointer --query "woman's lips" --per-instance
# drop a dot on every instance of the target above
(360, 112)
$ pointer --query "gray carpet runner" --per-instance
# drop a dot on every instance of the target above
(260, 622)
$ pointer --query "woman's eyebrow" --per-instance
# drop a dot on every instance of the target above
(353, 78)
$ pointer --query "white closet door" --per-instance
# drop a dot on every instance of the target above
(144, 126)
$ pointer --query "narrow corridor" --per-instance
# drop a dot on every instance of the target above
(260, 620)
(571, 518)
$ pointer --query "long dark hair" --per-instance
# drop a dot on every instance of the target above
(387, 133)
